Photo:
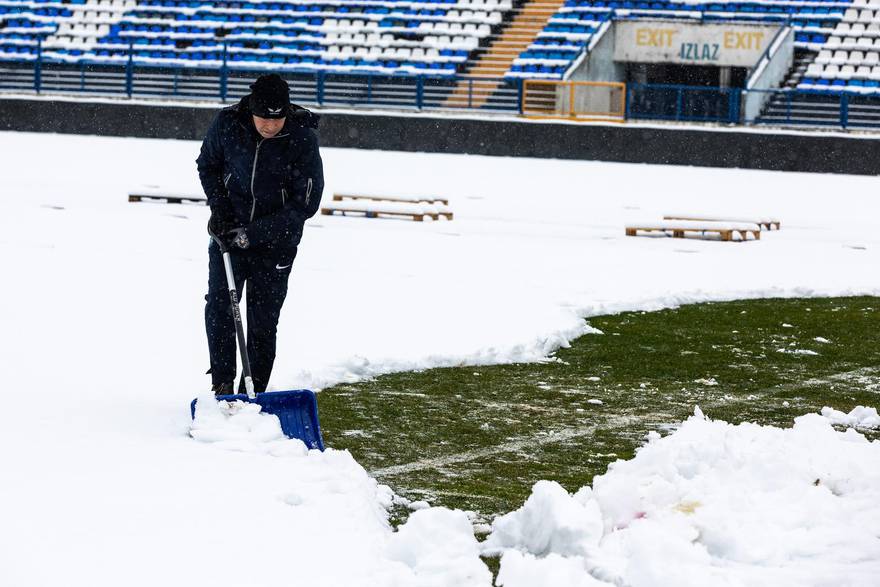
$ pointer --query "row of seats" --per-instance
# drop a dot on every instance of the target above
(866, 42)
(343, 4)
(536, 71)
(378, 13)
(845, 29)
(853, 15)
(215, 59)
(867, 87)
(844, 71)
(826, 57)
(808, 39)
(803, 7)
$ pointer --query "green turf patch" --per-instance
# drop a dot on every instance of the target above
(477, 438)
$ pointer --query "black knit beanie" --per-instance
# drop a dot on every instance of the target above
(270, 97)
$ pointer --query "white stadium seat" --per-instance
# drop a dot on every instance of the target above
(814, 70)
(830, 71)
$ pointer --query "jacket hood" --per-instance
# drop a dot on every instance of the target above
(297, 117)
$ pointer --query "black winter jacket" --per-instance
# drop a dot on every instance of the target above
(273, 185)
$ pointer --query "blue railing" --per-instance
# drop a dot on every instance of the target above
(725, 106)
(683, 103)
(134, 78)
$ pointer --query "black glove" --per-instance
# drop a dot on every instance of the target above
(222, 219)
(237, 239)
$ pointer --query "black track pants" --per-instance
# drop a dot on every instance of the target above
(266, 289)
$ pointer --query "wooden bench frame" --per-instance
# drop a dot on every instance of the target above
(768, 225)
(726, 233)
(376, 214)
(403, 199)
(166, 199)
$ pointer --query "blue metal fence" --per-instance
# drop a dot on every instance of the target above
(816, 108)
(133, 78)
(683, 103)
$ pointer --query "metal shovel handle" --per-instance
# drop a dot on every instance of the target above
(236, 315)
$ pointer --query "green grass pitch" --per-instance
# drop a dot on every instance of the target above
(477, 438)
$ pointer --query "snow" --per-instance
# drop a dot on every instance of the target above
(859, 417)
(711, 504)
(241, 426)
(105, 480)
(439, 546)
(703, 216)
(802, 352)
(693, 225)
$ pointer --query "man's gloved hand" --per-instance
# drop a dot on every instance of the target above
(237, 238)
(222, 219)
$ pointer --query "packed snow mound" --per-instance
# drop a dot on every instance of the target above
(550, 522)
(439, 546)
(242, 426)
(859, 417)
(711, 504)
(520, 569)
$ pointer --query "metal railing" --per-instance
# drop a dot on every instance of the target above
(134, 77)
(680, 103)
(816, 108)
(683, 103)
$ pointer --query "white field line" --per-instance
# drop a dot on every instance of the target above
(564, 434)
(512, 446)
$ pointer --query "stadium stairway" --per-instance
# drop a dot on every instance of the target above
(495, 60)
(802, 61)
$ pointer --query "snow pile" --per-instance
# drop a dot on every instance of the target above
(550, 521)
(711, 504)
(242, 426)
(859, 417)
(438, 545)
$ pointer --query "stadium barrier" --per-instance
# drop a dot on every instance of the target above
(544, 99)
(135, 78)
(683, 103)
(600, 101)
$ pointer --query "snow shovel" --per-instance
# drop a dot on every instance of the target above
(297, 410)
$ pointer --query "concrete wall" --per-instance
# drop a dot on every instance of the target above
(769, 73)
(483, 136)
(598, 65)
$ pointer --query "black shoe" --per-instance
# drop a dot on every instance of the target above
(222, 389)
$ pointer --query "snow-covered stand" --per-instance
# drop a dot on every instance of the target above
(296, 410)
(417, 37)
